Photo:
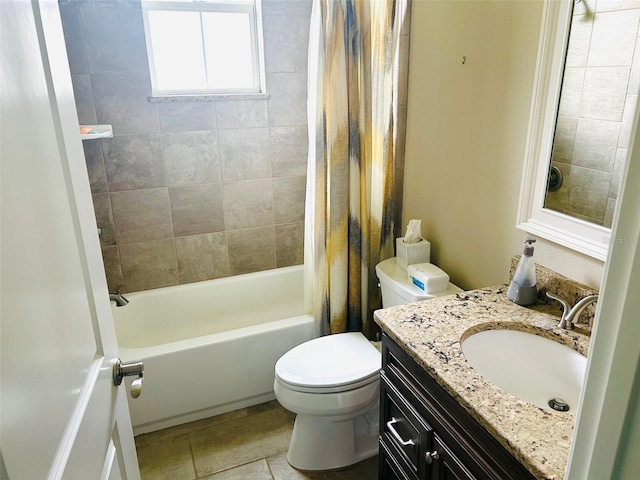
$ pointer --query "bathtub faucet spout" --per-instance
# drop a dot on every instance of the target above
(117, 297)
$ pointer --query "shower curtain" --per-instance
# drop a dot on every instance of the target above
(350, 176)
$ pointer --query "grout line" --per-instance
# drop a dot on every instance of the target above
(193, 460)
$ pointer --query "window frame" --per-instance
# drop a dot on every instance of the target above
(250, 7)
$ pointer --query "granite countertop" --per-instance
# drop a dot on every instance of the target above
(430, 332)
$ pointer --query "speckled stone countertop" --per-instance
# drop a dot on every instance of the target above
(430, 332)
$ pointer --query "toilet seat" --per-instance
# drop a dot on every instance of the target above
(334, 363)
(330, 389)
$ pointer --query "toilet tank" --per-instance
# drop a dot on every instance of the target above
(398, 290)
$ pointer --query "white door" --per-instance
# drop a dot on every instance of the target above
(61, 415)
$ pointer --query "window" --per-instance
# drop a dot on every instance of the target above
(203, 47)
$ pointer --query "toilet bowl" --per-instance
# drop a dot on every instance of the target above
(332, 383)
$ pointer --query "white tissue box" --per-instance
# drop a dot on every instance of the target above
(428, 277)
(410, 253)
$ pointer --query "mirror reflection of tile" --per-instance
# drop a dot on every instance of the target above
(597, 106)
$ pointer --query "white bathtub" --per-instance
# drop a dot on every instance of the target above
(210, 347)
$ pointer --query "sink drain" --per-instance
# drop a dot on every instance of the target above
(559, 404)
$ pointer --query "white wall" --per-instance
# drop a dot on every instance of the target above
(466, 133)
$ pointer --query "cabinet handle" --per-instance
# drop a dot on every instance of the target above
(396, 435)
(431, 456)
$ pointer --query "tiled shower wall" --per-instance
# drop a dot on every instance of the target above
(599, 97)
(191, 190)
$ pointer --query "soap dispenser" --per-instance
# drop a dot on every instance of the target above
(522, 289)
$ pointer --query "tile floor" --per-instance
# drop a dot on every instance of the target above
(247, 444)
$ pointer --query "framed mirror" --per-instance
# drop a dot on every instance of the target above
(584, 99)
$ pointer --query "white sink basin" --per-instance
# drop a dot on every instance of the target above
(531, 367)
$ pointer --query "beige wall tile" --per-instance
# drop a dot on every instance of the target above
(288, 199)
(202, 257)
(122, 101)
(559, 199)
(187, 116)
(288, 102)
(245, 154)
(627, 121)
(289, 150)
(588, 192)
(578, 51)
(112, 268)
(119, 26)
(83, 94)
(571, 95)
(76, 52)
(149, 265)
(242, 114)
(604, 93)
(618, 168)
(634, 79)
(287, 7)
(565, 139)
(289, 244)
(248, 204)
(286, 43)
(95, 166)
(596, 144)
(251, 250)
(196, 209)
(141, 215)
(133, 162)
(191, 157)
(613, 28)
(608, 5)
(608, 214)
(104, 219)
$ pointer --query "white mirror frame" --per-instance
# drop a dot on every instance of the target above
(533, 217)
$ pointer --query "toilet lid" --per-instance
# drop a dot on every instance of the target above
(330, 361)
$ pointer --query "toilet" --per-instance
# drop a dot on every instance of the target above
(332, 383)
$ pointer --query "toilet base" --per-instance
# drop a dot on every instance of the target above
(325, 443)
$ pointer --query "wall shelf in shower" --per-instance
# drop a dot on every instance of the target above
(97, 131)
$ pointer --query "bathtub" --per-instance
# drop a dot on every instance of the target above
(210, 347)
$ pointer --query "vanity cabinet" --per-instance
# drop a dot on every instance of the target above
(425, 434)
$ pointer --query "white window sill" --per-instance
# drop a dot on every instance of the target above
(211, 97)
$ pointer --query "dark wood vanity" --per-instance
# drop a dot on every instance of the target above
(425, 434)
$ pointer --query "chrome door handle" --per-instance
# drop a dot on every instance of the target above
(121, 370)
(396, 435)
(431, 456)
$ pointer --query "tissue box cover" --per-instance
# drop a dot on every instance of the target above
(410, 253)
(428, 277)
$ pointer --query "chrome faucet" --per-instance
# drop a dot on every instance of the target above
(117, 297)
(570, 314)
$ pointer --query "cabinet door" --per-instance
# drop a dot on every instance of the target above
(444, 464)
(403, 430)
(388, 468)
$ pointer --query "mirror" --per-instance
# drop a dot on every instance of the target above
(581, 118)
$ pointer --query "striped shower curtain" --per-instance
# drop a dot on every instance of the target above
(350, 176)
